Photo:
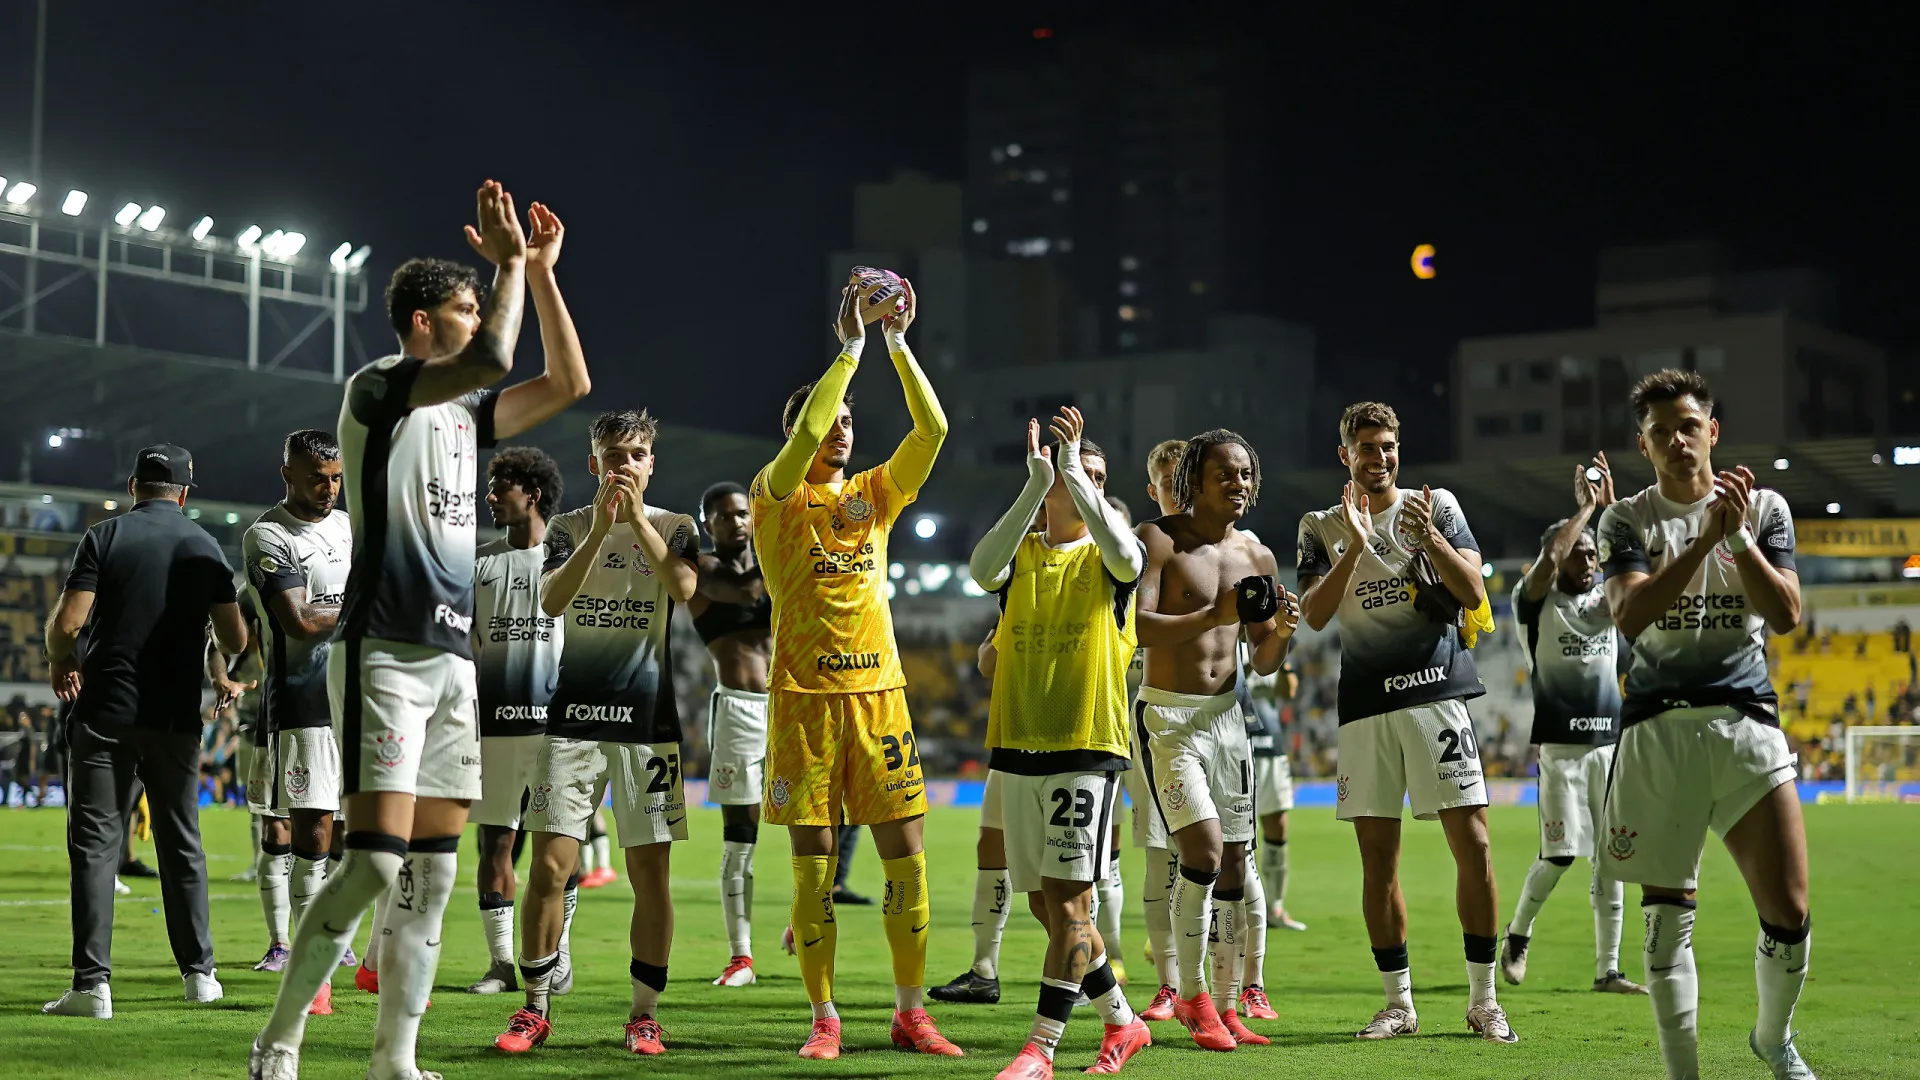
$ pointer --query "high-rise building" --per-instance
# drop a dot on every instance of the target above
(1136, 172)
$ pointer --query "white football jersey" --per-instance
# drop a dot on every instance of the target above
(1392, 656)
(1709, 648)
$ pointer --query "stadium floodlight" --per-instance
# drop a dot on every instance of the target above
(283, 245)
(151, 219)
(1906, 455)
(20, 193)
(75, 202)
(248, 237)
(201, 229)
(925, 528)
(1781, 464)
(1833, 508)
(126, 215)
(1486, 570)
(359, 258)
(54, 441)
(339, 256)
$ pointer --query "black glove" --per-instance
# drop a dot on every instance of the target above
(1256, 598)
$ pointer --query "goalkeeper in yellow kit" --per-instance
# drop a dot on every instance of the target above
(838, 733)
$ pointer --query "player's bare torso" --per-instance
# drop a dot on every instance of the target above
(1190, 579)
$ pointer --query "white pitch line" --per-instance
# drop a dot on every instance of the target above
(124, 900)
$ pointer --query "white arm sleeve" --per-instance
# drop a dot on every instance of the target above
(994, 553)
(1119, 548)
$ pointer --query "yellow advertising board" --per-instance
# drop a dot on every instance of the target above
(1859, 538)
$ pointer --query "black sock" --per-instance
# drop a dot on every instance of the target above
(1394, 959)
(1480, 950)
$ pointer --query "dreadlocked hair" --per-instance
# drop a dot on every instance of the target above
(1186, 478)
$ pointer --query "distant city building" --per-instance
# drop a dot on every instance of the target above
(1139, 173)
(1763, 340)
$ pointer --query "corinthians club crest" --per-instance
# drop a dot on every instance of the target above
(1620, 843)
(778, 792)
(855, 508)
(298, 780)
(1555, 831)
(387, 749)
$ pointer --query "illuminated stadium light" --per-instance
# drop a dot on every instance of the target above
(339, 256)
(896, 571)
(151, 219)
(202, 229)
(1781, 464)
(54, 441)
(1833, 508)
(20, 193)
(233, 518)
(913, 588)
(925, 528)
(1906, 455)
(359, 258)
(1486, 570)
(283, 245)
(889, 590)
(970, 587)
(933, 576)
(75, 202)
(248, 237)
(126, 215)
(109, 504)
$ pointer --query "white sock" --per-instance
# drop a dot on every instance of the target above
(824, 1010)
(1156, 889)
(1674, 985)
(416, 910)
(1399, 988)
(602, 851)
(320, 942)
(1780, 969)
(308, 877)
(1190, 911)
(736, 895)
(1609, 913)
(569, 903)
(992, 888)
(646, 997)
(1056, 996)
(1104, 991)
(1223, 948)
(370, 959)
(1111, 896)
(272, 876)
(1480, 983)
(586, 859)
(254, 831)
(1253, 929)
(537, 977)
(1542, 876)
(907, 998)
(497, 921)
(1273, 871)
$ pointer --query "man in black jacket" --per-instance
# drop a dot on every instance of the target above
(144, 587)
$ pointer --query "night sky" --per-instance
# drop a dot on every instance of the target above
(704, 162)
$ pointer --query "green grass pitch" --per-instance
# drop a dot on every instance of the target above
(1857, 1017)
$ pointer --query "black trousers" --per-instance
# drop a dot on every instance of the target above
(102, 765)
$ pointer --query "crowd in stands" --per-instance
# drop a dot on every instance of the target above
(1827, 681)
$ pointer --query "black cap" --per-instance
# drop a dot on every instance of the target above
(163, 463)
